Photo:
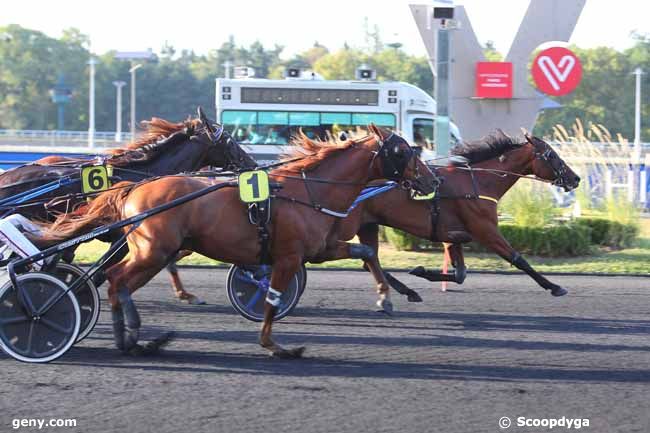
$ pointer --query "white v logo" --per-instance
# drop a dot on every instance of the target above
(552, 71)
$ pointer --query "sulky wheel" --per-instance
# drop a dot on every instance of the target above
(302, 277)
(49, 333)
(247, 287)
(87, 296)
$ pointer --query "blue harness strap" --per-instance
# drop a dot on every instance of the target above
(372, 191)
(36, 192)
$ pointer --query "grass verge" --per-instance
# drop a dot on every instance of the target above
(627, 261)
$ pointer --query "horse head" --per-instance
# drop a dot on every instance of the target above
(399, 162)
(548, 165)
(224, 151)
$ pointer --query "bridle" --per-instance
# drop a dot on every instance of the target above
(559, 170)
(395, 160)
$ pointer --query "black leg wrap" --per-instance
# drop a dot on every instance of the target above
(131, 318)
(421, 272)
(99, 278)
(118, 327)
(361, 251)
(171, 267)
(520, 263)
(402, 289)
(460, 274)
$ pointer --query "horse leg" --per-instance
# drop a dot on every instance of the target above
(345, 250)
(494, 240)
(283, 270)
(100, 275)
(126, 319)
(177, 284)
(457, 261)
(369, 235)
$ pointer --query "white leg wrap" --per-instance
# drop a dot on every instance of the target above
(15, 240)
(273, 297)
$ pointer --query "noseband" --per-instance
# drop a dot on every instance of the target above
(559, 172)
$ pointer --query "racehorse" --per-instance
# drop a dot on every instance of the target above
(303, 226)
(465, 208)
(164, 148)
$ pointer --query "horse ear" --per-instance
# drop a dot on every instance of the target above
(527, 135)
(375, 130)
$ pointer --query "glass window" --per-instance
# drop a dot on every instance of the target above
(423, 132)
(272, 127)
(304, 119)
(273, 118)
(335, 118)
(277, 127)
(379, 119)
(240, 124)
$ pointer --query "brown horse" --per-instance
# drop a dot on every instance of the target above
(163, 148)
(465, 208)
(303, 226)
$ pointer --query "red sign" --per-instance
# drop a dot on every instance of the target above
(494, 80)
(556, 71)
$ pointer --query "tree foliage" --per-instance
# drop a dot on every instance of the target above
(176, 80)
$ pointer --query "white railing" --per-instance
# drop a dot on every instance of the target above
(55, 138)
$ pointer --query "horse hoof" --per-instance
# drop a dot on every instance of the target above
(413, 296)
(294, 353)
(559, 291)
(385, 306)
(195, 300)
(151, 348)
(417, 271)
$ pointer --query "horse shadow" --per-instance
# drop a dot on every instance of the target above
(187, 362)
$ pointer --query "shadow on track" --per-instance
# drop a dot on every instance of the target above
(187, 362)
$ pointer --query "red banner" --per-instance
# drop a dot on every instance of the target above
(494, 80)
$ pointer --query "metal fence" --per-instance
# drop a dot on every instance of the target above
(58, 138)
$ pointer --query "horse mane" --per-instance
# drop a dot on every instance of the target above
(156, 130)
(313, 152)
(488, 147)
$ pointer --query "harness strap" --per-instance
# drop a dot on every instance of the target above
(366, 193)
(492, 199)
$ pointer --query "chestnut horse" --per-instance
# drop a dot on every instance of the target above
(164, 148)
(465, 208)
(316, 191)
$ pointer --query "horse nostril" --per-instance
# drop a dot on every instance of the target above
(577, 179)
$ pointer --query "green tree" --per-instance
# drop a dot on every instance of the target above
(491, 53)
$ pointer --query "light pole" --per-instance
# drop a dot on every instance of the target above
(118, 110)
(91, 103)
(442, 78)
(226, 68)
(132, 71)
(637, 115)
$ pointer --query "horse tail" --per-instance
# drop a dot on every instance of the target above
(106, 208)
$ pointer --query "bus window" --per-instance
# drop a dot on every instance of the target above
(240, 124)
(272, 127)
(379, 119)
(308, 122)
(423, 132)
(335, 124)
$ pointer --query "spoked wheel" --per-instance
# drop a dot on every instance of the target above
(87, 296)
(44, 337)
(247, 287)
